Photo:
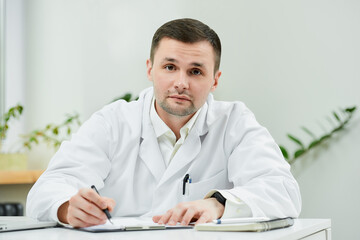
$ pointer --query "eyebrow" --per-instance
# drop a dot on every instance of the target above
(195, 64)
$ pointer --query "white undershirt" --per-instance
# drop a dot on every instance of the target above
(166, 137)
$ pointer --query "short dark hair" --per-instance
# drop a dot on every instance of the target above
(187, 30)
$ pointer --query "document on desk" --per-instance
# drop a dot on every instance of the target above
(241, 226)
(128, 224)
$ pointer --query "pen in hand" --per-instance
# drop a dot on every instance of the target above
(106, 211)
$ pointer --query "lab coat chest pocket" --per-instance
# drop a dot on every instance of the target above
(197, 190)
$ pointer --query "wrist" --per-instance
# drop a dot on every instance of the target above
(219, 197)
(218, 207)
(63, 212)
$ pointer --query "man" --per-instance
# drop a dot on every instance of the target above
(175, 154)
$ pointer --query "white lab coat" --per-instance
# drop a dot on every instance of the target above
(117, 151)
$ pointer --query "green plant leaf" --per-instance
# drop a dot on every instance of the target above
(33, 139)
(55, 131)
(314, 143)
(126, 97)
(336, 117)
(337, 129)
(39, 133)
(296, 140)
(27, 145)
(342, 116)
(20, 109)
(69, 120)
(299, 152)
(284, 152)
(330, 120)
(324, 137)
(308, 132)
(350, 109)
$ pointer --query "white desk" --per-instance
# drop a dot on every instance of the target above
(306, 229)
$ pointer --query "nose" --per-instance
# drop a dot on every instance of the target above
(182, 82)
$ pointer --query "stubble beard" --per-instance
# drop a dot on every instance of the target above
(177, 112)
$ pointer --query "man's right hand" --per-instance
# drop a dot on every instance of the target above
(85, 209)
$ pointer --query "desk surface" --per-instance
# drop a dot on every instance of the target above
(301, 228)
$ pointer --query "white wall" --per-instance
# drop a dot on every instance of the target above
(291, 62)
(14, 68)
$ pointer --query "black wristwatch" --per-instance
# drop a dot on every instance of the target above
(220, 198)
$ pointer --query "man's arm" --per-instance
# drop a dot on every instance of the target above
(79, 163)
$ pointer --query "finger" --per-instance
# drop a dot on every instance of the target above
(156, 218)
(177, 213)
(188, 216)
(76, 222)
(110, 203)
(79, 218)
(92, 196)
(88, 218)
(165, 218)
(78, 202)
(204, 218)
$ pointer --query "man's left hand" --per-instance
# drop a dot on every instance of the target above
(202, 211)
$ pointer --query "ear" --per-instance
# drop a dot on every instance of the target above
(148, 69)
(216, 81)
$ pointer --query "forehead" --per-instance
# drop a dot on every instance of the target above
(199, 51)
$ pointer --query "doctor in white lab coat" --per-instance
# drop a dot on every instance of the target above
(166, 154)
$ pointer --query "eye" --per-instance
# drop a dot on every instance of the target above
(170, 67)
(196, 72)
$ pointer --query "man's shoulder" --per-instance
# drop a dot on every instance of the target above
(124, 112)
(131, 107)
(229, 108)
(227, 114)
(121, 109)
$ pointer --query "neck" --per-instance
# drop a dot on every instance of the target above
(175, 123)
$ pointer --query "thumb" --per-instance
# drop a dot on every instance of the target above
(110, 203)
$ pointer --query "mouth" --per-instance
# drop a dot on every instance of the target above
(180, 97)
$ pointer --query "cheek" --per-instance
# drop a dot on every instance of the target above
(201, 95)
(161, 80)
(161, 86)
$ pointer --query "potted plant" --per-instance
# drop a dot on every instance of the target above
(52, 134)
(339, 121)
(10, 161)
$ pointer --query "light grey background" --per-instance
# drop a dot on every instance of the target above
(291, 62)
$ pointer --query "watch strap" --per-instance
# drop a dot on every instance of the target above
(220, 198)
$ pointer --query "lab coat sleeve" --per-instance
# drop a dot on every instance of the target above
(79, 163)
(261, 176)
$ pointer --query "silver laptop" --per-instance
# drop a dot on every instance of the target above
(22, 223)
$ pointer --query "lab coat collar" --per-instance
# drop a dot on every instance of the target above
(149, 148)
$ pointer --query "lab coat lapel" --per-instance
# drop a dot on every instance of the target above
(149, 150)
(186, 154)
(190, 148)
(150, 154)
